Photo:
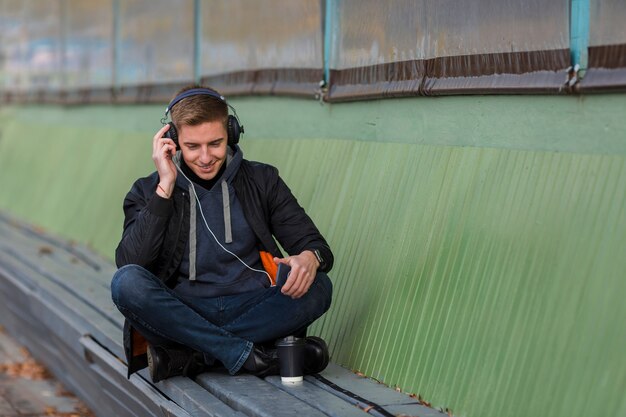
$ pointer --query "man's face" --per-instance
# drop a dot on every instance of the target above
(204, 147)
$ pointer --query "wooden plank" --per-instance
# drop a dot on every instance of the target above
(255, 397)
(37, 302)
(72, 282)
(34, 397)
(55, 262)
(97, 299)
(69, 368)
(80, 309)
(414, 410)
(50, 259)
(54, 258)
(114, 373)
(18, 240)
(372, 391)
(58, 351)
(80, 252)
(82, 317)
(193, 397)
(10, 351)
(362, 386)
(319, 398)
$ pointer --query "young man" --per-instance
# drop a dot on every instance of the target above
(197, 258)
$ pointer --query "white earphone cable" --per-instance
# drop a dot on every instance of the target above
(193, 187)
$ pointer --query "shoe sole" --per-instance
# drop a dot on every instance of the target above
(153, 363)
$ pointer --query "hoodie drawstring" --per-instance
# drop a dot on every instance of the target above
(228, 231)
(192, 233)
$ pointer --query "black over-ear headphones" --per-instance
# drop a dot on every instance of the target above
(233, 128)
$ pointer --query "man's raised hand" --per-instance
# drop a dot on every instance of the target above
(162, 151)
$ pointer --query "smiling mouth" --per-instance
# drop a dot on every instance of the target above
(206, 166)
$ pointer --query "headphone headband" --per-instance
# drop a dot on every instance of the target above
(233, 127)
(195, 92)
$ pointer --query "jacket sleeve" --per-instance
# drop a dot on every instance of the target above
(146, 216)
(292, 226)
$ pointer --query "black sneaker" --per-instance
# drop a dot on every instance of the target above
(165, 363)
(316, 355)
(262, 362)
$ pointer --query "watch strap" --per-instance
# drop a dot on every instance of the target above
(318, 255)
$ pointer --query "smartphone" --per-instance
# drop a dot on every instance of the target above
(283, 273)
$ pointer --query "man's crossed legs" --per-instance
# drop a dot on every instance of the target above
(225, 328)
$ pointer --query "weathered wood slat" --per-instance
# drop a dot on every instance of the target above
(37, 273)
(114, 373)
(255, 397)
(390, 400)
(364, 387)
(194, 398)
(317, 397)
(65, 363)
(72, 282)
(32, 247)
(82, 317)
(78, 251)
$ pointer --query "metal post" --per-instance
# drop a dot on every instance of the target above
(579, 33)
(115, 65)
(197, 41)
(63, 32)
(328, 41)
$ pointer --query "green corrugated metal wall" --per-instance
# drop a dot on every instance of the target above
(479, 241)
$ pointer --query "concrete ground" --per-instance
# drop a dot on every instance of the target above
(28, 390)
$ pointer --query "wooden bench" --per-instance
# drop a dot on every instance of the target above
(55, 299)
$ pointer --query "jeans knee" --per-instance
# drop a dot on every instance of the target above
(124, 285)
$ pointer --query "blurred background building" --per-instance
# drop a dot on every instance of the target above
(360, 49)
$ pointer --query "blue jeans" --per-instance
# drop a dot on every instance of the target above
(224, 328)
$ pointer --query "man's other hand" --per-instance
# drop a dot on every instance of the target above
(303, 271)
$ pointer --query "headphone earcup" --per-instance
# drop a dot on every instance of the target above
(234, 130)
(172, 133)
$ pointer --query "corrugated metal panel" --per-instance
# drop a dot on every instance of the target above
(488, 281)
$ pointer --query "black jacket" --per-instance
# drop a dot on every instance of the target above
(156, 230)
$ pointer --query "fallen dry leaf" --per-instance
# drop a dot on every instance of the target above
(45, 250)
(28, 368)
(423, 401)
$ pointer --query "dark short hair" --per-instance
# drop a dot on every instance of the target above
(198, 109)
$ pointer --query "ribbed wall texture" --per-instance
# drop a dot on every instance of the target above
(487, 280)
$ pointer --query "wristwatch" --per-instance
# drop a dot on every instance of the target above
(318, 255)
